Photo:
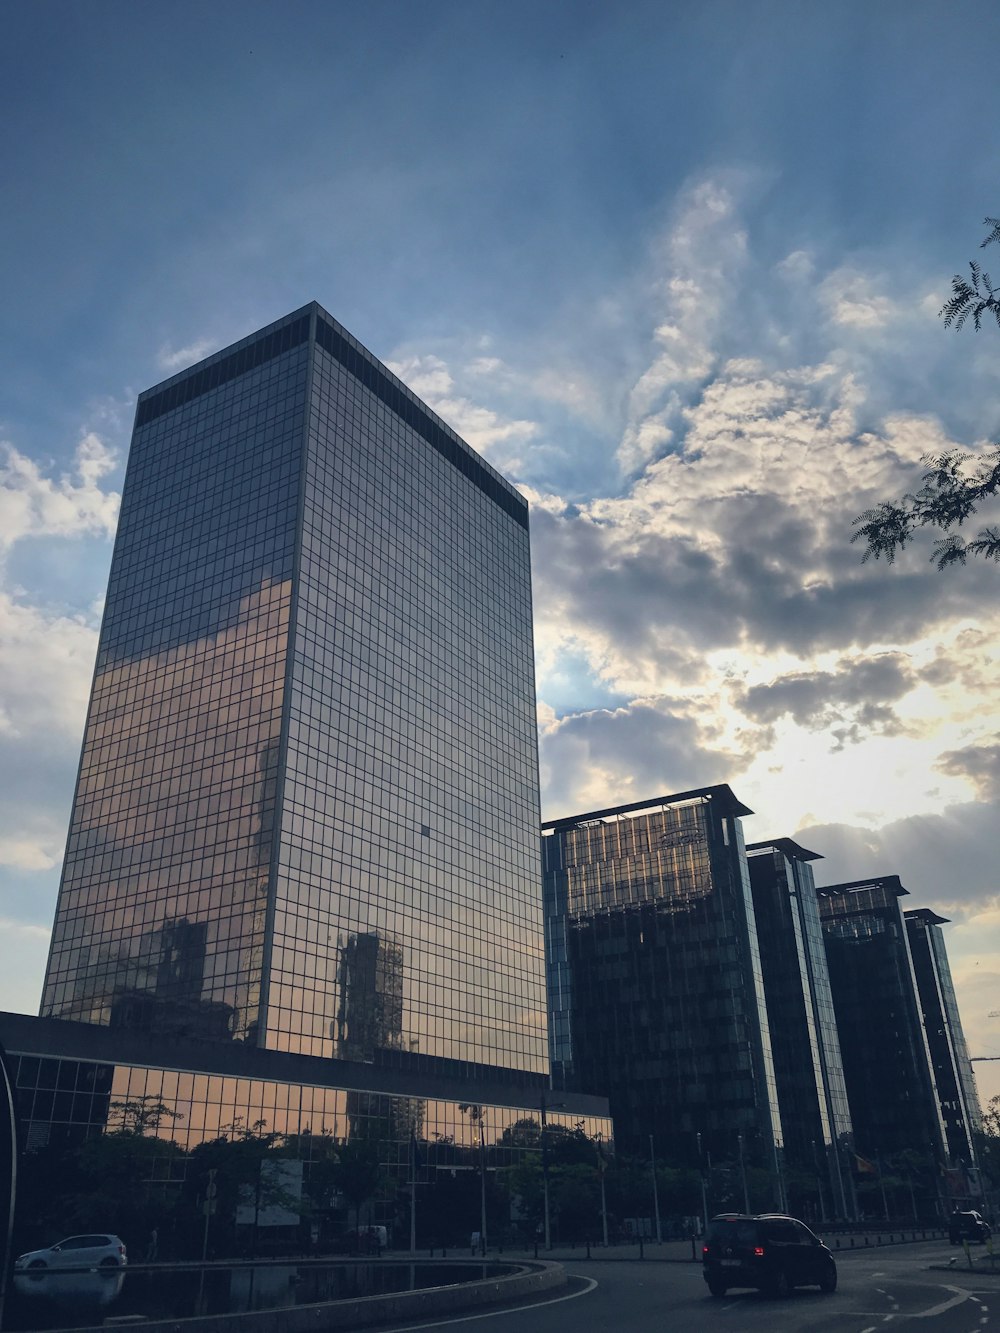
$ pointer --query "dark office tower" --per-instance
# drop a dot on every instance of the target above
(956, 1087)
(887, 1067)
(815, 1116)
(655, 984)
(312, 722)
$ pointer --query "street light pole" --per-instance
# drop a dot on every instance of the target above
(601, 1167)
(743, 1175)
(482, 1185)
(704, 1191)
(545, 1176)
(656, 1193)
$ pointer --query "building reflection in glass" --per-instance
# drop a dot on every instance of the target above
(312, 721)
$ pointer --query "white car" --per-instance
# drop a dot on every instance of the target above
(91, 1251)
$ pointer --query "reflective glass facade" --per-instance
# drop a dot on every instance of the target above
(887, 1069)
(812, 1095)
(307, 809)
(655, 978)
(956, 1087)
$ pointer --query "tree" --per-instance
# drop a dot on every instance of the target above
(975, 298)
(950, 494)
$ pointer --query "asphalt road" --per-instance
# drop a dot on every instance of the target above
(889, 1289)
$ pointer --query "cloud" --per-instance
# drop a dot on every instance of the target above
(817, 699)
(980, 764)
(613, 756)
(33, 505)
(852, 300)
(699, 259)
(430, 379)
(170, 360)
(46, 651)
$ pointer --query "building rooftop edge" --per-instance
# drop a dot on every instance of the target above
(722, 793)
(792, 849)
(927, 914)
(307, 310)
(890, 882)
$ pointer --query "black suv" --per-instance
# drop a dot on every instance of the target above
(967, 1226)
(771, 1252)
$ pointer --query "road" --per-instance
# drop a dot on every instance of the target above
(889, 1290)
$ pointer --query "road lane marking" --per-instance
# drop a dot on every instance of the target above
(492, 1314)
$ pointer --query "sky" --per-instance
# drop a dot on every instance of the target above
(674, 268)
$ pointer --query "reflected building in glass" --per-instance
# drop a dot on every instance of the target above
(307, 807)
(809, 1073)
(301, 885)
(656, 990)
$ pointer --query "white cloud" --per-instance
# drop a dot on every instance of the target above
(173, 360)
(75, 504)
(699, 258)
(853, 301)
(46, 651)
(430, 379)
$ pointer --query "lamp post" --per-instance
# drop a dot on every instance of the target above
(701, 1172)
(601, 1167)
(656, 1193)
(743, 1175)
(476, 1114)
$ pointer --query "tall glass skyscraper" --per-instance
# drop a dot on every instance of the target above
(306, 816)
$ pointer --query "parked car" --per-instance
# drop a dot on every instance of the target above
(968, 1226)
(770, 1251)
(91, 1251)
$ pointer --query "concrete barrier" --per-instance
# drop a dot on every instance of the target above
(532, 1279)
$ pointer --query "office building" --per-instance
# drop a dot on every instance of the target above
(656, 991)
(312, 721)
(887, 1068)
(306, 817)
(953, 1078)
(812, 1096)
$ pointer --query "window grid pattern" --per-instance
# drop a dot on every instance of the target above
(408, 913)
(72, 1100)
(162, 907)
(658, 994)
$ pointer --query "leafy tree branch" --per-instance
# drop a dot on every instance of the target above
(951, 492)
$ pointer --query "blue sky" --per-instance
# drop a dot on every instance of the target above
(675, 269)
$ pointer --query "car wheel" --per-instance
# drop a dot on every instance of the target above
(828, 1282)
(716, 1287)
(108, 1262)
(779, 1286)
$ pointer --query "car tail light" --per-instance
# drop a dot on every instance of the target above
(758, 1251)
(704, 1250)
(121, 1249)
